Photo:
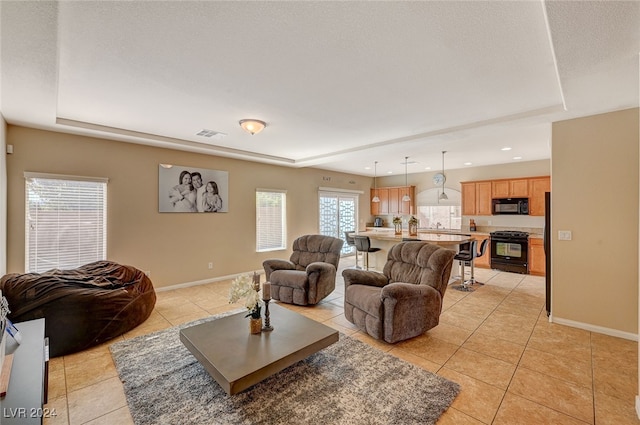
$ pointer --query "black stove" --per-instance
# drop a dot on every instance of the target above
(510, 251)
(514, 234)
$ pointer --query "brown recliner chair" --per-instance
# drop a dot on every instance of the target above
(309, 275)
(403, 301)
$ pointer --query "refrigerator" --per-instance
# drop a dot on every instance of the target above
(547, 250)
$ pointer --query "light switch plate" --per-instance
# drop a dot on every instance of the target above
(564, 235)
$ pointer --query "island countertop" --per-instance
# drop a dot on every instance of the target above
(443, 239)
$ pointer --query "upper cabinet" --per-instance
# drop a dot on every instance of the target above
(537, 187)
(477, 196)
(391, 200)
(516, 188)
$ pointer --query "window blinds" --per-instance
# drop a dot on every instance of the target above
(270, 220)
(65, 220)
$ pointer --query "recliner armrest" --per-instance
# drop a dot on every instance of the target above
(402, 290)
(272, 264)
(363, 277)
(320, 267)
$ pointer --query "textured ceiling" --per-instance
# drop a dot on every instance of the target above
(340, 84)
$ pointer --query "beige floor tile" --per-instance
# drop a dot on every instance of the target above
(121, 416)
(477, 399)
(83, 371)
(614, 411)
(376, 343)
(509, 352)
(575, 371)
(95, 401)
(568, 398)
(453, 334)
(342, 321)
(430, 348)
(455, 417)
(561, 341)
(56, 411)
(482, 367)
(509, 327)
(518, 410)
(415, 360)
(57, 383)
(175, 314)
(617, 382)
(340, 328)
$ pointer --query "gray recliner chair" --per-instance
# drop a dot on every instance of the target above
(403, 301)
(309, 275)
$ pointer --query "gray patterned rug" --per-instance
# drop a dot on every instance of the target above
(349, 382)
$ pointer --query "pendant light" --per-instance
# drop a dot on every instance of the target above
(443, 196)
(375, 186)
(406, 197)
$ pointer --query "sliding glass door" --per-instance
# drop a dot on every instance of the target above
(338, 214)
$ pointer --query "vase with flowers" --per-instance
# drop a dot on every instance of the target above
(413, 226)
(397, 225)
(246, 288)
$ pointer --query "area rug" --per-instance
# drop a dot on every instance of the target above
(348, 382)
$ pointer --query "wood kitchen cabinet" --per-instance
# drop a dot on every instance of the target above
(391, 201)
(536, 257)
(512, 188)
(476, 198)
(537, 187)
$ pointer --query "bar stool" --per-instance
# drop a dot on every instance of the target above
(351, 242)
(363, 244)
(480, 253)
(463, 256)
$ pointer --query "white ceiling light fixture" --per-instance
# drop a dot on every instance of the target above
(376, 198)
(406, 197)
(443, 196)
(252, 126)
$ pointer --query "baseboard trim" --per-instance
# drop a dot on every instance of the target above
(594, 328)
(205, 281)
(638, 406)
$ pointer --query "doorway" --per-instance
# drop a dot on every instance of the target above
(338, 214)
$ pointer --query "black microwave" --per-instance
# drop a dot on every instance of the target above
(510, 206)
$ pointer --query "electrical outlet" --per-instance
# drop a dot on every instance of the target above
(564, 235)
(210, 265)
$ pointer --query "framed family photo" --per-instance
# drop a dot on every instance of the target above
(190, 189)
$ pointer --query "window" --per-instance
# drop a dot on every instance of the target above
(65, 220)
(271, 219)
(436, 213)
(338, 214)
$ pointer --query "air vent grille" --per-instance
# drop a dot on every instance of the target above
(210, 134)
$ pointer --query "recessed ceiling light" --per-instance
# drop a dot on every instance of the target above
(427, 168)
(389, 172)
(506, 148)
(517, 157)
(468, 163)
(367, 168)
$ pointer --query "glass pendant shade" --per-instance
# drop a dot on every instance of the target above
(406, 197)
(375, 198)
(443, 196)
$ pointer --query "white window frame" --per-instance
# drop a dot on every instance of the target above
(265, 225)
(65, 253)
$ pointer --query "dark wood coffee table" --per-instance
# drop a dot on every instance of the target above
(237, 360)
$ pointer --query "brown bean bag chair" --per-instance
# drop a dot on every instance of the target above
(82, 307)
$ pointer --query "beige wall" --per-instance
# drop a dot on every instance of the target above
(595, 195)
(175, 247)
(3, 194)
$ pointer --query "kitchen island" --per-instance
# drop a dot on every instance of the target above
(385, 238)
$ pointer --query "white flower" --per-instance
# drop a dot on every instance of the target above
(243, 288)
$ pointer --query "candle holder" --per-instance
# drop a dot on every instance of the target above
(267, 322)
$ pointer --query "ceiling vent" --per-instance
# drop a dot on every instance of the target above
(211, 134)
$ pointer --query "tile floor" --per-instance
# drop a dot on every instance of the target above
(513, 365)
